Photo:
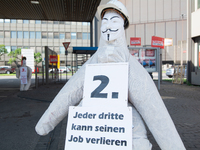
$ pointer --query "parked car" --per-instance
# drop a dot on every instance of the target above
(51, 70)
(62, 69)
(6, 69)
(170, 72)
(37, 70)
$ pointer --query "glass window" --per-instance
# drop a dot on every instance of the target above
(1, 20)
(88, 36)
(62, 36)
(56, 35)
(19, 35)
(7, 34)
(73, 35)
(198, 4)
(26, 35)
(19, 21)
(32, 21)
(84, 23)
(44, 22)
(79, 35)
(26, 21)
(25, 47)
(38, 35)
(1, 34)
(13, 34)
(62, 50)
(13, 21)
(50, 22)
(7, 20)
(50, 35)
(32, 35)
(37, 21)
(68, 35)
(67, 23)
(73, 23)
(84, 36)
(62, 22)
(8, 48)
(44, 35)
(13, 48)
(56, 22)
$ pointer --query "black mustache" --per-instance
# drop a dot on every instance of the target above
(110, 30)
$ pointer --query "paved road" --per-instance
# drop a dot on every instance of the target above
(12, 82)
(20, 111)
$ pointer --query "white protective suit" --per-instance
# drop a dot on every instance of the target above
(25, 87)
(142, 92)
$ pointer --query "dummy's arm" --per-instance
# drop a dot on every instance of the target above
(144, 96)
(70, 95)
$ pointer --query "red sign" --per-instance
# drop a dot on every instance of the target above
(157, 42)
(135, 41)
(53, 59)
(150, 53)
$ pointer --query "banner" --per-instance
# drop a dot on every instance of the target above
(135, 41)
(157, 42)
(23, 75)
(168, 42)
(146, 57)
(53, 59)
(29, 54)
(99, 128)
(103, 87)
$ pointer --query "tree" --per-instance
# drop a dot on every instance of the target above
(16, 56)
(37, 57)
(3, 50)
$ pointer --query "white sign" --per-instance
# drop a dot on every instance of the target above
(23, 75)
(90, 128)
(29, 54)
(168, 42)
(106, 84)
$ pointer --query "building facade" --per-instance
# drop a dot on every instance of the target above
(193, 41)
(35, 34)
(162, 18)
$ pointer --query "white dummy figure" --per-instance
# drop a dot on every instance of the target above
(142, 92)
(24, 87)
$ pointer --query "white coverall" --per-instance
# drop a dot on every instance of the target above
(142, 93)
(25, 87)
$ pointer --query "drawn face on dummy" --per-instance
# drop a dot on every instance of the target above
(112, 26)
(24, 62)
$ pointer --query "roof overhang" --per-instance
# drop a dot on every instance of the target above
(84, 50)
(54, 10)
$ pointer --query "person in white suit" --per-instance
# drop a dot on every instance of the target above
(142, 93)
(25, 84)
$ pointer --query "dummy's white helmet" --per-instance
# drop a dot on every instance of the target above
(117, 6)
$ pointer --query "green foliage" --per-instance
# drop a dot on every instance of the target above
(3, 50)
(37, 57)
(16, 56)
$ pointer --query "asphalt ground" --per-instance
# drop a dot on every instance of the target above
(20, 111)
